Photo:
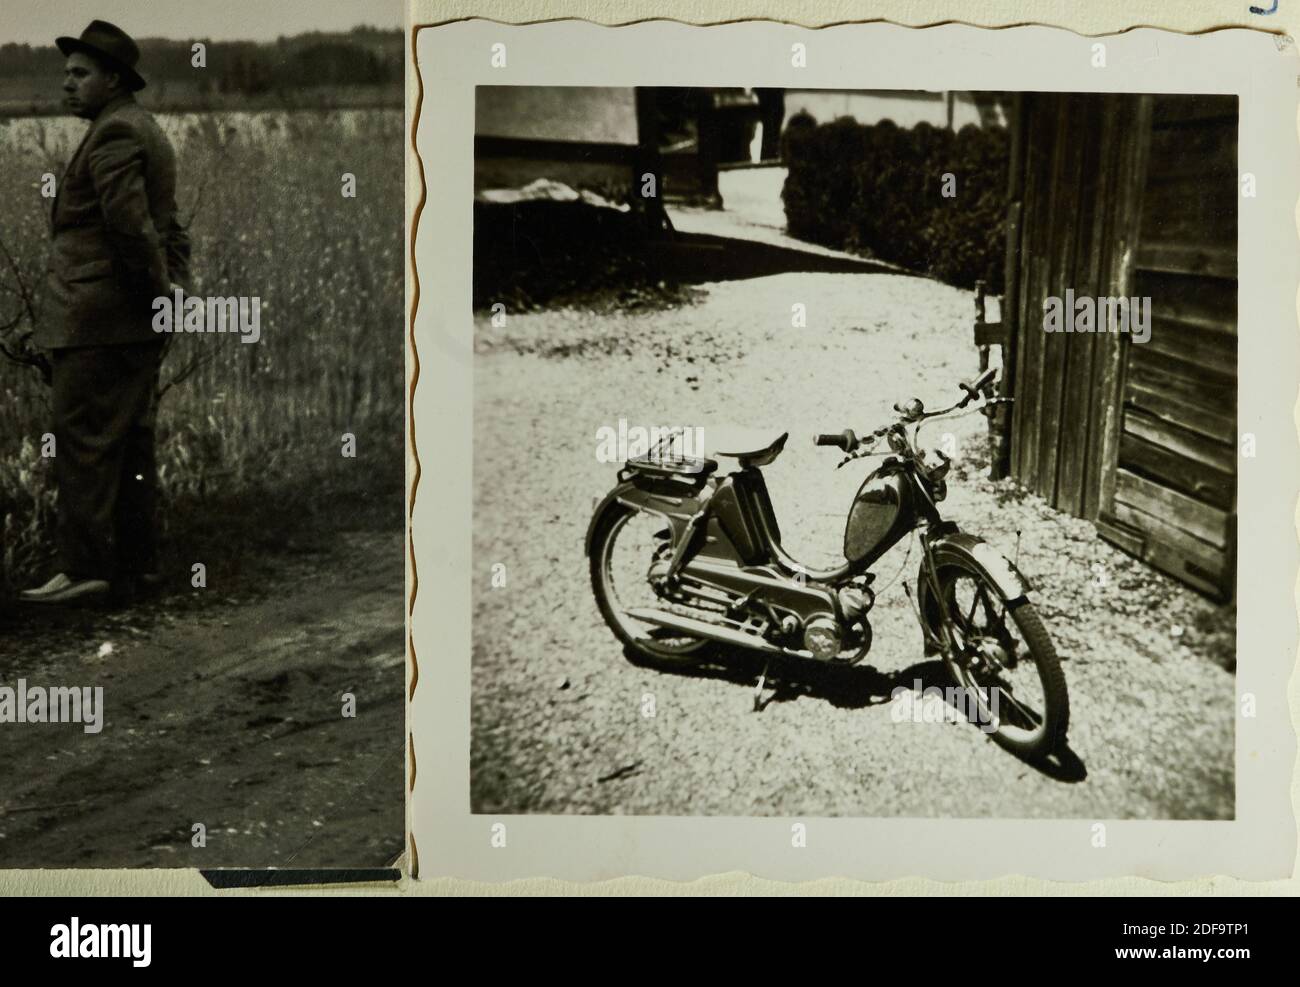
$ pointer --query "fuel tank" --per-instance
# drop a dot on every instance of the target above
(882, 513)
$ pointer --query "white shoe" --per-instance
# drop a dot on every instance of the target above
(64, 589)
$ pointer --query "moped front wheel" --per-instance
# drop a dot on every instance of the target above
(626, 548)
(1001, 655)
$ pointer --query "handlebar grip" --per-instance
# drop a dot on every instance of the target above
(845, 440)
(973, 387)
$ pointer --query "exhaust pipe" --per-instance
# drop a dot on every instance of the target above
(714, 632)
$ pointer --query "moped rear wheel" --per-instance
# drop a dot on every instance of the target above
(626, 546)
(1003, 657)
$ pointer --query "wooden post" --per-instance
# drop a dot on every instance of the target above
(1011, 302)
(982, 348)
(986, 336)
(706, 157)
(647, 159)
(1134, 144)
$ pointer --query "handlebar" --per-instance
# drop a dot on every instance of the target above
(910, 412)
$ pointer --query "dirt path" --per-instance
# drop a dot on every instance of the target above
(225, 711)
(558, 722)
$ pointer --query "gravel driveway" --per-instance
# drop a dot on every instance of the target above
(557, 711)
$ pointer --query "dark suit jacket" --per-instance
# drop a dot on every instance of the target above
(117, 242)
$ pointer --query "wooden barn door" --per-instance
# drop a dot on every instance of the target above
(1129, 195)
(1174, 496)
(1076, 195)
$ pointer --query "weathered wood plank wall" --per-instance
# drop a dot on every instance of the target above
(1177, 467)
(1130, 196)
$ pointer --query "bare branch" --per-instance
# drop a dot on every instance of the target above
(185, 373)
(24, 290)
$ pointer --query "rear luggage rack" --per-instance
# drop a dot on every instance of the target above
(660, 465)
(671, 467)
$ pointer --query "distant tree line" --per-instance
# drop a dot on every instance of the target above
(364, 56)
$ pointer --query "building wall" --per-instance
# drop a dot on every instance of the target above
(1130, 196)
(1176, 492)
(906, 108)
(581, 136)
(593, 115)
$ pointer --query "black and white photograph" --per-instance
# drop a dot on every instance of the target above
(563, 449)
(878, 450)
(202, 435)
(854, 452)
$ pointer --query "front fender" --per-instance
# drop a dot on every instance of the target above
(958, 546)
(976, 554)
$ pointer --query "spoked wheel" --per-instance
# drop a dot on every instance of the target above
(629, 548)
(1004, 659)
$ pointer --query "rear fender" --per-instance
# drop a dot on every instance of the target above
(676, 508)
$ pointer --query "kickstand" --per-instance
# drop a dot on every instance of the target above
(758, 691)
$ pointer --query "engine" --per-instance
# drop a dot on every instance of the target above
(821, 636)
(825, 636)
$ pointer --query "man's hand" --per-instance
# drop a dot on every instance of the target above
(29, 353)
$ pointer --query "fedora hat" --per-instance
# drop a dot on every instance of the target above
(110, 43)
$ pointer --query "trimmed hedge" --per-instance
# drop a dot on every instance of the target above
(545, 253)
(877, 190)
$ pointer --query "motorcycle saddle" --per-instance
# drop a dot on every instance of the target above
(752, 447)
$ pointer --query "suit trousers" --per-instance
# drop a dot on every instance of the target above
(105, 407)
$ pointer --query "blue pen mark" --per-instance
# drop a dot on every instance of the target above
(1261, 10)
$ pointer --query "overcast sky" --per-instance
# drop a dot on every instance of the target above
(41, 21)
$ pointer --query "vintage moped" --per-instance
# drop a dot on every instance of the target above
(686, 557)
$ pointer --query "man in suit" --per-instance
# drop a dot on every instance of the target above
(117, 245)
